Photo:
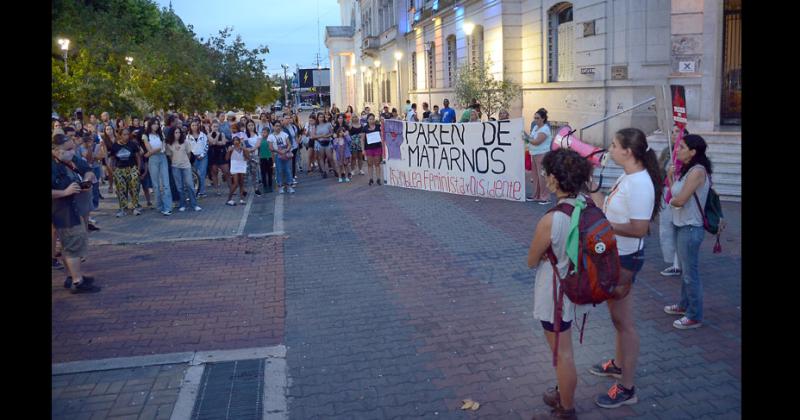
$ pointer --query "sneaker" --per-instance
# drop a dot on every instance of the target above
(241, 201)
(86, 279)
(606, 369)
(617, 396)
(671, 272)
(281, 190)
(674, 310)
(137, 212)
(361, 172)
(529, 199)
(181, 208)
(231, 203)
(57, 264)
(92, 227)
(120, 213)
(379, 181)
(544, 202)
(149, 205)
(558, 412)
(552, 397)
(258, 193)
(198, 208)
(347, 180)
(341, 180)
(166, 213)
(92, 220)
(84, 287)
(294, 180)
(291, 190)
(686, 324)
(371, 182)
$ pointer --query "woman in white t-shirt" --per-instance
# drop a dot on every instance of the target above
(629, 207)
(539, 145)
(566, 175)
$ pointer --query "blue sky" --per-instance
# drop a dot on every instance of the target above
(288, 28)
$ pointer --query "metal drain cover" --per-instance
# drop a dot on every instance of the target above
(231, 390)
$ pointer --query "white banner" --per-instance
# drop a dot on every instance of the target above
(481, 159)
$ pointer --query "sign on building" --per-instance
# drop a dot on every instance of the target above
(481, 159)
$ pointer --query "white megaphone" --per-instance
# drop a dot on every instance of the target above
(566, 140)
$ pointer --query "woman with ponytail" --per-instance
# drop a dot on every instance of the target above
(689, 193)
(629, 207)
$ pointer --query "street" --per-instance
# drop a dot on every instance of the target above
(363, 302)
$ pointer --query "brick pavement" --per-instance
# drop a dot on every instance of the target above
(172, 297)
(144, 393)
(428, 302)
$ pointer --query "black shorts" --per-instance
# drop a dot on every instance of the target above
(632, 262)
(549, 326)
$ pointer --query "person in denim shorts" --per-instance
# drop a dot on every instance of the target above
(629, 207)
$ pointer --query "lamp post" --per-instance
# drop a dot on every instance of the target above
(64, 43)
(428, 48)
(468, 28)
(285, 89)
(398, 55)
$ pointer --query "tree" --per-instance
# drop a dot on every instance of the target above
(476, 81)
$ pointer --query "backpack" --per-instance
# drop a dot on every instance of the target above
(596, 277)
(712, 215)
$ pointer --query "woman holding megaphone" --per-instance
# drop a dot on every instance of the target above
(539, 145)
(629, 207)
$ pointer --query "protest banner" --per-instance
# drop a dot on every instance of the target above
(480, 159)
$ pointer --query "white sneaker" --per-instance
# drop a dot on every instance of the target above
(281, 190)
(181, 208)
(671, 272)
(231, 203)
(120, 213)
(197, 208)
(341, 180)
(347, 180)
(137, 212)
(291, 190)
(361, 172)
(242, 201)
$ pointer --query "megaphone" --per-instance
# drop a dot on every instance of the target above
(565, 139)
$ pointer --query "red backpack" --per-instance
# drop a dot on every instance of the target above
(597, 274)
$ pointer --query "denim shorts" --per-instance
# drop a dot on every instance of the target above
(632, 262)
(549, 326)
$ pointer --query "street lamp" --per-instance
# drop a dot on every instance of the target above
(129, 60)
(428, 48)
(398, 55)
(468, 28)
(285, 89)
(64, 43)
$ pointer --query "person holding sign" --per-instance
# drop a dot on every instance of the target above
(238, 157)
(373, 148)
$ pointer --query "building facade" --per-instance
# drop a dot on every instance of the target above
(581, 60)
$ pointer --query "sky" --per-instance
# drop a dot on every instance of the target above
(290, 34)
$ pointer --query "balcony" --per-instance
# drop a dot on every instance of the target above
(370, 45)
(431, 9)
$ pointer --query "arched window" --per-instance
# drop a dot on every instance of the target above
(560, 40)
(414, 70)
(432, 66)
(452, 66)
(476, 46)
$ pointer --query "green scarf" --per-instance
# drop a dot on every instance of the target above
(573, 238)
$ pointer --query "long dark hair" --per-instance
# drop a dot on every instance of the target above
(147, 128)
(171, 139)
(698, 144)
(634, 140)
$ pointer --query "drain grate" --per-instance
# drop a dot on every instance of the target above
(231, 390)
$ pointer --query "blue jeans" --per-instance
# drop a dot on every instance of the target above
(159, 175)
(283, 167)
(687, 245)
(202, 169)
(183, 182)
(98, 173)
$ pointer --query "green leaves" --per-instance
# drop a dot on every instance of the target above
(170, 65)
(477, 82)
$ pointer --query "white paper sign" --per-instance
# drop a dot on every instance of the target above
(374, 137)
(238, 167)
(480, 159)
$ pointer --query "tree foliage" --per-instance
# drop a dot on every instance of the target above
(476, 81)
(171, 68)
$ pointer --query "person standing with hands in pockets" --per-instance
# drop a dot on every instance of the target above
(629, 207)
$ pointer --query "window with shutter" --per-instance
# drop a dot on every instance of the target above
(432, 67)
(565, 51)
(560, 41)
(451, 60)
(413, 71)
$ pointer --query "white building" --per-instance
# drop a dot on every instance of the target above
(581, 60)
